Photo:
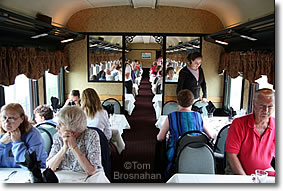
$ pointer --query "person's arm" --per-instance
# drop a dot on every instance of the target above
(207, 131)
(55, 159)
(233, 146)
(83, 161)
(5, 139)
(235, 163)
(181, 81)
(203, 86)
(67, 102)
(162, 133)
(32, 142)
(107, 130)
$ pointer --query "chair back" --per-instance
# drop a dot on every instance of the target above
(194, 154)
(47, 130)
(105, 152)
(47, 138)
(169, 107)
(219, 146)
(219, 150)
(200, 105)
(196, 160)
(115, 102)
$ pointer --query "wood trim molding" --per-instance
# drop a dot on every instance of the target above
(104, 97)
(213, 99)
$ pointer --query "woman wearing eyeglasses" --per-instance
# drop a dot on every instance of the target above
(192, 78)
(17, 137)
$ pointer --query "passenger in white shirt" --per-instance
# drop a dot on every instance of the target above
(96, 115)
(128, 79)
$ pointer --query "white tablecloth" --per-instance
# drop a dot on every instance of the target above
(214, 124)
(136, 89)
(129, 103)
(64, 176)
(138, 80)
(161, 120)
(214, 178)
(157, 105)
(118, 123)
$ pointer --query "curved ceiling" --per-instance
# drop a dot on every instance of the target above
(230, 12)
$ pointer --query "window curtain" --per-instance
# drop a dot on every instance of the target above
(252, 64)
(97, 57)
(29, 61)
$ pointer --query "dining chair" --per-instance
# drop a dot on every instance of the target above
(115, 102)
(219, 149)
(200, 105)
(105, 152)
(169, 107)
(194, 154)
(47, 138)
(47, 130)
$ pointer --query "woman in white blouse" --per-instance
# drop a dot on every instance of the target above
(96, 116)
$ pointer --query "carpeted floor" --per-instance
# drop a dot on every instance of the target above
(136, 163)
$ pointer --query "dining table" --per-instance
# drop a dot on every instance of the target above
(21, 175)
(157, 104)
(118, 122)
(214, 178)
(129, 103)
(214, 124)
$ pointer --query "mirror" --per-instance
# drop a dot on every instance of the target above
(104, 58)
(177, 50)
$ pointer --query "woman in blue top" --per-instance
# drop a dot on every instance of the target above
(179, 122)
(17, 137)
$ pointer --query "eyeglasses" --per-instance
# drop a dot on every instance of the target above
(9, 119)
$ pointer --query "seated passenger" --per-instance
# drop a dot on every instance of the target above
(18, 137)
(75, 147)
(74, 98)
(96, 116)
(109, 76)
(44, 118)
(178, 123)
(250, 142)
(170, 75)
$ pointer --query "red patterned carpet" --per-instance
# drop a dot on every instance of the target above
(136, 163)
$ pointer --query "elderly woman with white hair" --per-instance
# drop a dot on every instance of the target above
(75, 147)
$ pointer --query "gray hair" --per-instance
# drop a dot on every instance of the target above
(265, 92)
(73, 119)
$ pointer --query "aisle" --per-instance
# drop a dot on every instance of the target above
(137, 160)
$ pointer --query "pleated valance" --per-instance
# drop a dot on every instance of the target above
(29, 61)
(103, 56)
(252, 64)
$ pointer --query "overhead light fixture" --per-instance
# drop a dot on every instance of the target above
(67, 40)
(248, 37)
(39, 36)
(221, 42)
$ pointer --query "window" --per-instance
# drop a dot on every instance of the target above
(18, 93)
(235, 92)
(262, 82)
(51, 87)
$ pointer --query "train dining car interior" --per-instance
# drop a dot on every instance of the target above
(130, 60)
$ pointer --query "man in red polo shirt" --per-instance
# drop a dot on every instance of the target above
(250, 142)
